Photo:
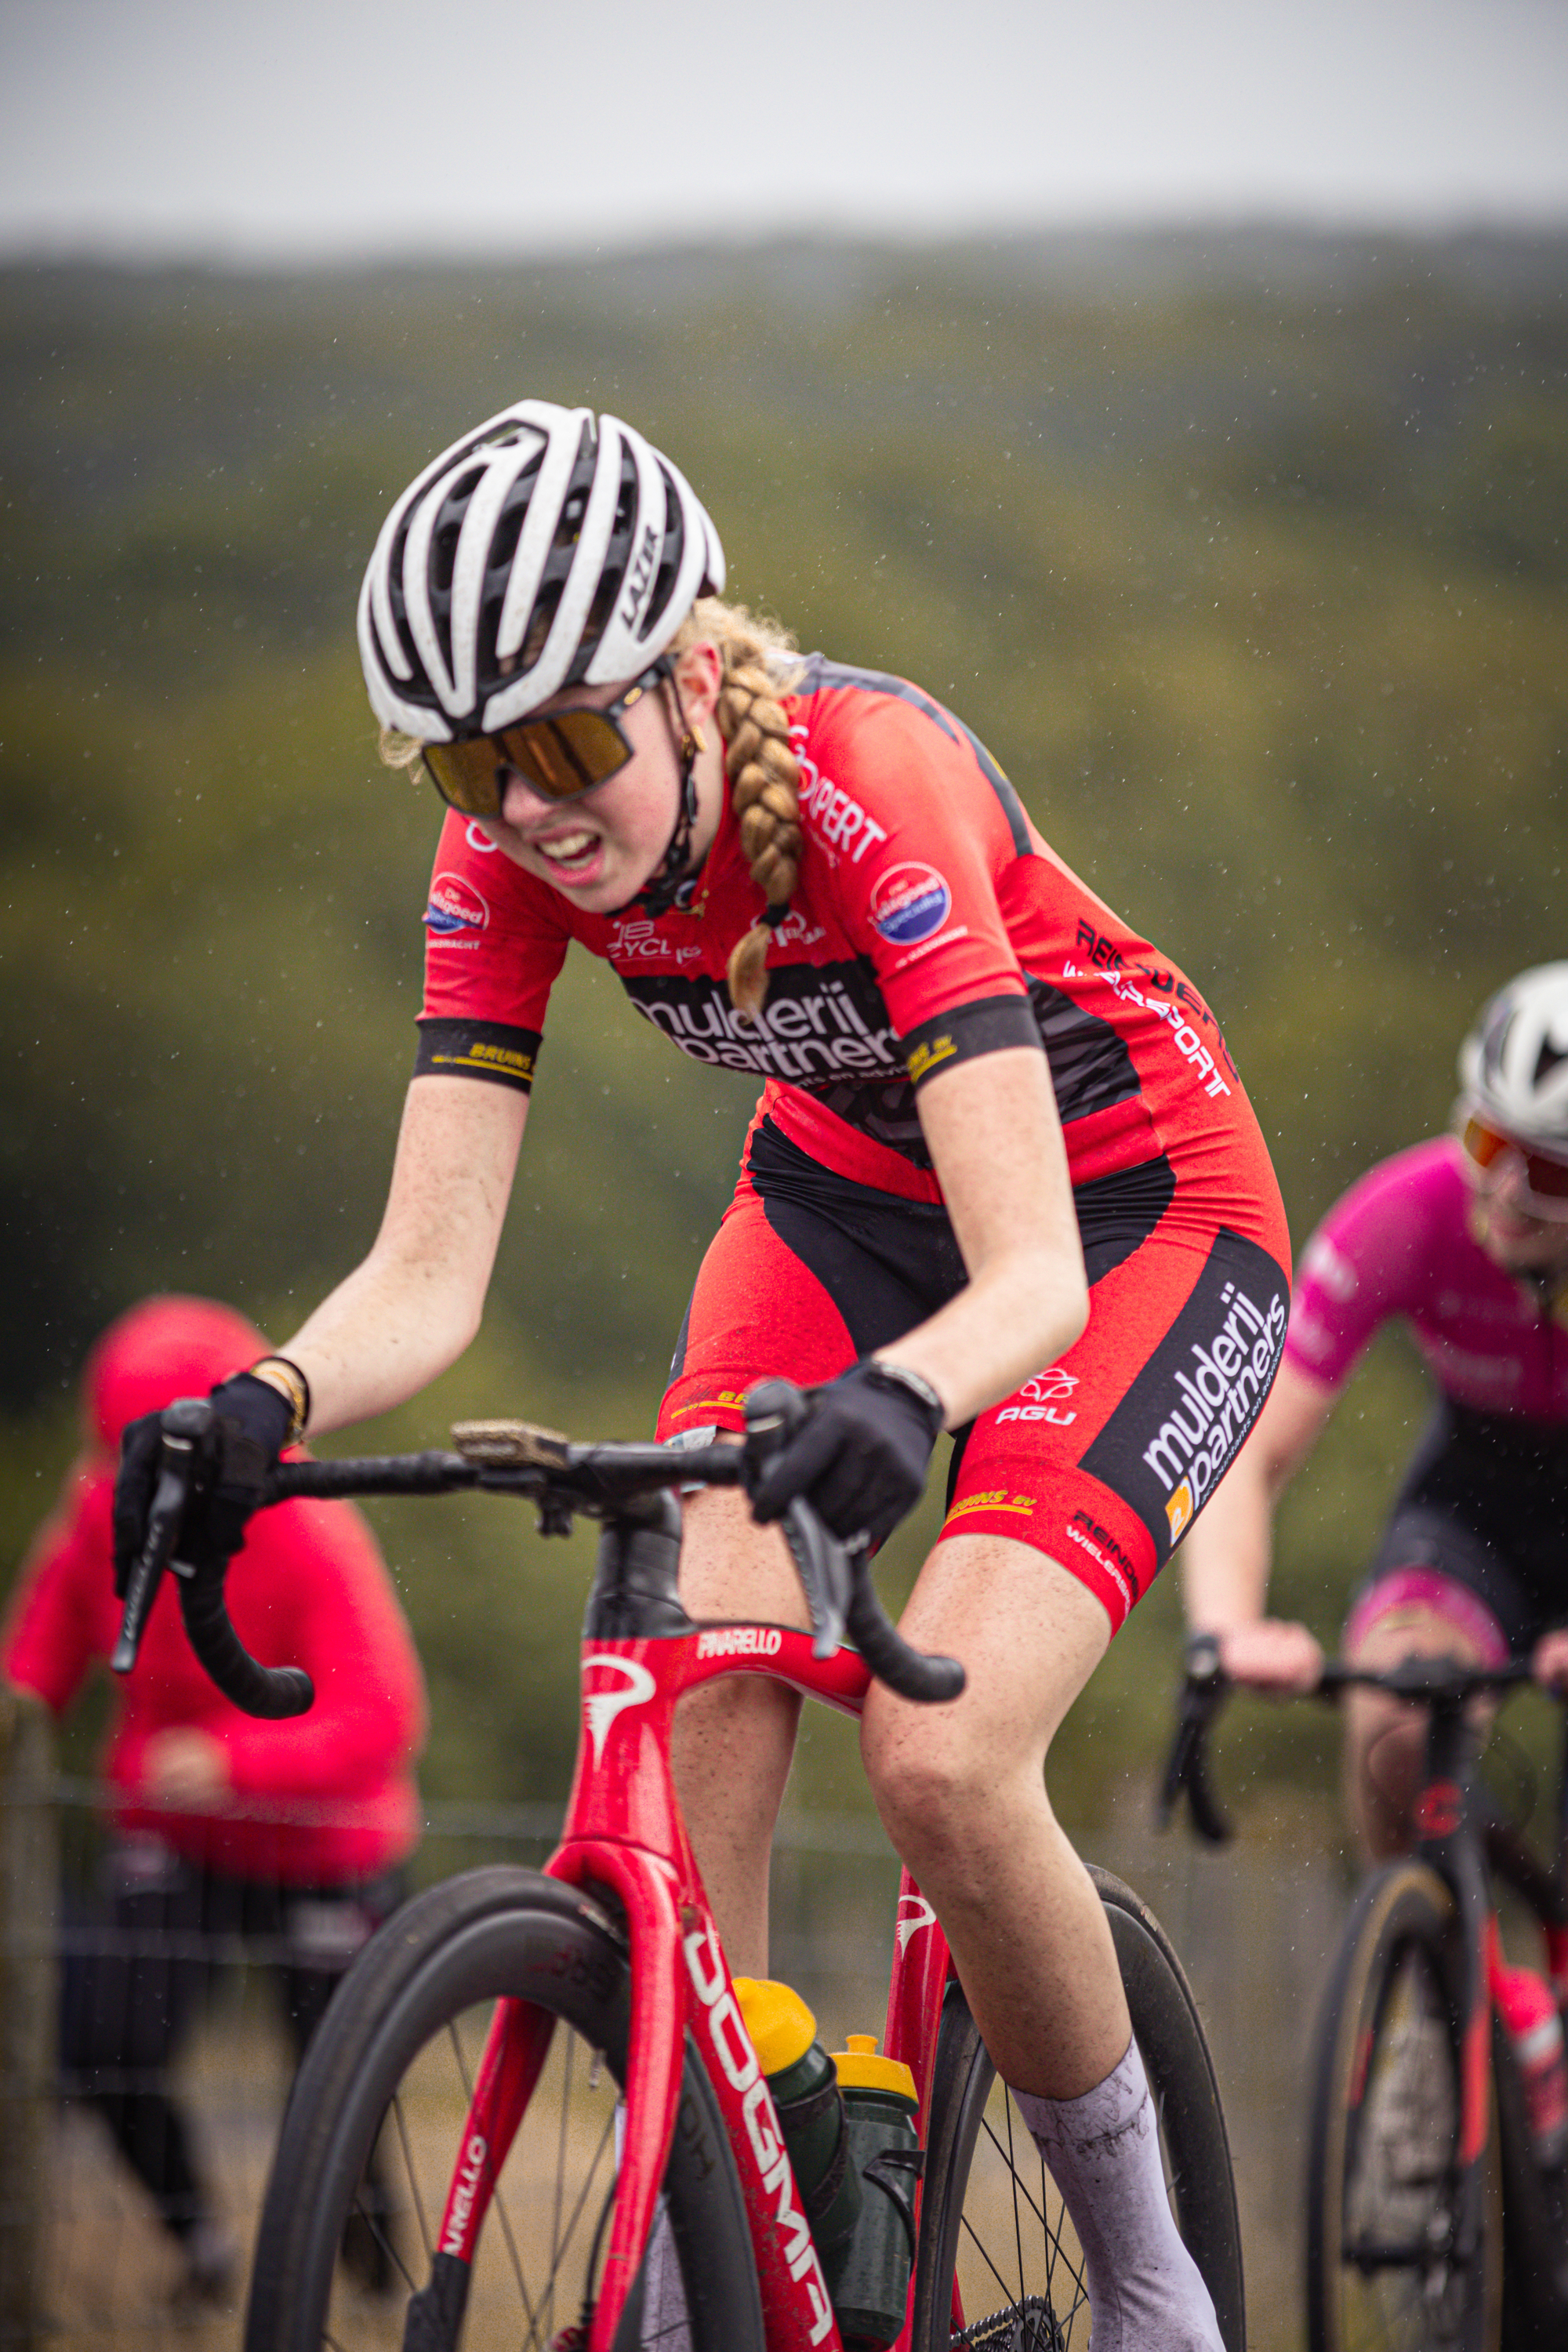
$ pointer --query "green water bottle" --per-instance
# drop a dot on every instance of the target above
(810, 2109)
(870, 2280)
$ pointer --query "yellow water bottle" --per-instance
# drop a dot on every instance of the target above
(870, 2281)
(810, 2109)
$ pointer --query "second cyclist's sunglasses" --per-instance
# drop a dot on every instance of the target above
(562, 756)
(1543, 1190)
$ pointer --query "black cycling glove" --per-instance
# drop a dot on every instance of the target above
(250, 1426)
(860, 1457)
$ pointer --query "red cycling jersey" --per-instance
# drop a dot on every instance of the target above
(931, 922)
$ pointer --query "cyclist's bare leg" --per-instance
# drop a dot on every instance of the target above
(1385, 1739)
(962, 1792)
(733, 1740)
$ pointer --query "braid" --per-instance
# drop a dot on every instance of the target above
(763, 773)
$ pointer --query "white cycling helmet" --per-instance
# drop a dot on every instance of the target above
(1513, 1066)
(547, 548)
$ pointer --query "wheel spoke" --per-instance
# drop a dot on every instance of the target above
(413, 2178)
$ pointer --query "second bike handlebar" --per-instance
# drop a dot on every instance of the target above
(1431, 1681)
(511, 1458)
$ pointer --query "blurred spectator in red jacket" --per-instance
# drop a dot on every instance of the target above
(289, 1836)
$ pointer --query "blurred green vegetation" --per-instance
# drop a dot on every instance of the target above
(1252, 574)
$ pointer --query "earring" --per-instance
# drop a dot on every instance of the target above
(693, 742)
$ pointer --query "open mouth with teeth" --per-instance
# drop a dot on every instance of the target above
(568, 852)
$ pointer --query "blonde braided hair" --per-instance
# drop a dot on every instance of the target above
(759, 667)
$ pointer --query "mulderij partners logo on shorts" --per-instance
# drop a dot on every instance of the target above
(1212, 1405)
(455, 911)
(909, 902)
(1184, 1413)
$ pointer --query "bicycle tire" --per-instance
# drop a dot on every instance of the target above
(422, 1988)
(1385, 2088)
(989, 2209)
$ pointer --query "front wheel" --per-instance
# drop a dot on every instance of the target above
(999, 2266)
(1400, 2254)
(373, 2140)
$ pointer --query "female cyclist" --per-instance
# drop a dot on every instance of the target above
(1002, 1180)
(1466, 1238)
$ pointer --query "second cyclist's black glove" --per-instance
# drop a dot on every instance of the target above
(235, 1459)
(860, 1457)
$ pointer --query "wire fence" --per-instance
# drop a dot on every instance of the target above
(102, 2270)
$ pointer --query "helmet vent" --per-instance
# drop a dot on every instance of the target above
(1548, 1058)
(569, 533)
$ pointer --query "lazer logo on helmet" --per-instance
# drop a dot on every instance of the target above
(640, 574)
(455, 908)
(909, 902)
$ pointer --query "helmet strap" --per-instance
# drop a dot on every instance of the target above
(665, 888)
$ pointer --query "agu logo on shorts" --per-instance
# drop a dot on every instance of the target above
(1179, 1507)
(454, 906)
(909, 902)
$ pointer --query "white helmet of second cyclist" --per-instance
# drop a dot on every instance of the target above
(1513, 1066)
(548, 548)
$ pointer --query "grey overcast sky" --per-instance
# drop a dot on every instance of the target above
(284, 129)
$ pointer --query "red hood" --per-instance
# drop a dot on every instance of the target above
(164, 1349)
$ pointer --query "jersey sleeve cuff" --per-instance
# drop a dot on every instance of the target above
(990, 1024)
(478, 1049)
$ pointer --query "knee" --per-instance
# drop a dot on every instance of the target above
(937, 1784)
(1384, 1756)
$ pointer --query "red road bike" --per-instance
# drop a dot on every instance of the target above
(555, 2067)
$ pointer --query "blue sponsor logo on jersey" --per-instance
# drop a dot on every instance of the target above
(909, 902)
(454, 906)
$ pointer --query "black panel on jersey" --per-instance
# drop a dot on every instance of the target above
(824, 1028)
(987, 1025)
(1117, 1213)
(821, 674)
(1091, 1067)
(495, 1050)
(887, 1263)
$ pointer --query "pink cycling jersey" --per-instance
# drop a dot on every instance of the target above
(1399, 1242)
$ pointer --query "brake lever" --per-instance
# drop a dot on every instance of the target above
(824, 1567)
(775, 1410)
(1204, 1695)
(182, 1424)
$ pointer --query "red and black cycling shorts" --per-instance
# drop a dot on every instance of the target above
(1102, 1460)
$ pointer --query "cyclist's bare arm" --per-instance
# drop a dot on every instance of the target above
(412, 1307)
(995, 1141)
(1228, 1552)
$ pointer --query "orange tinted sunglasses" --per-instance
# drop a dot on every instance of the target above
(1544, 1189)
(561, 757)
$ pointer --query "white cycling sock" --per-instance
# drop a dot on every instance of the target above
(1145, 2291)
